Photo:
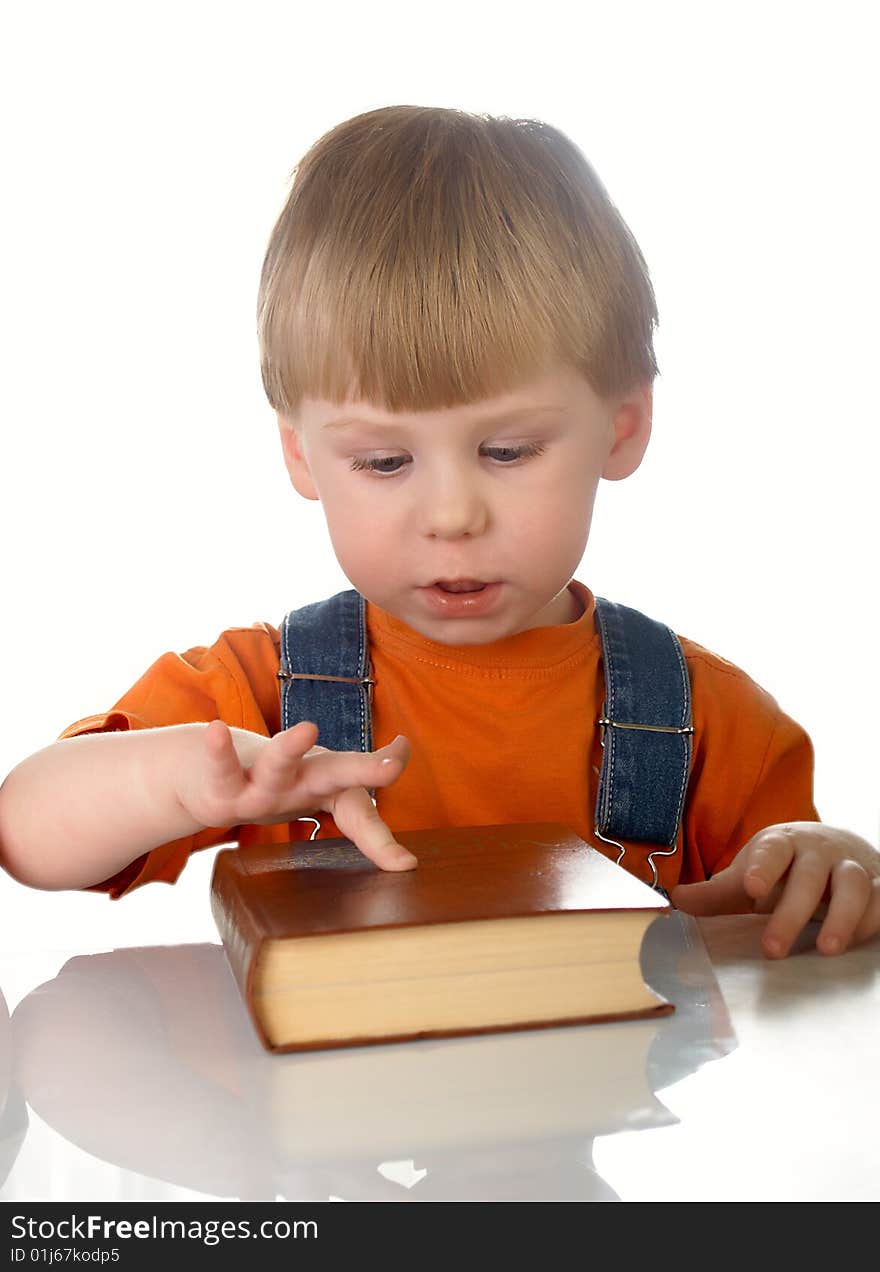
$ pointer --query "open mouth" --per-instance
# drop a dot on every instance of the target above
(460, 585)
(462, 598)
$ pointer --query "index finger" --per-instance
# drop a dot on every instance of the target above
(356, 816)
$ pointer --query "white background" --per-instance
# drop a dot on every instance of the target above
(145, 507)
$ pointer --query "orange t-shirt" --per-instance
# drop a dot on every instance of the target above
(501, 733)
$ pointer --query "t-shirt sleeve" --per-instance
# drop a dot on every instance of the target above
(234, 680)
(753, 765)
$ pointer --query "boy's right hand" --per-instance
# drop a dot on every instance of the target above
(263, 781)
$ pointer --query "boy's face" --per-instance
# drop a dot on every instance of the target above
(497, 493)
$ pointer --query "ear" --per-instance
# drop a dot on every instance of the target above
(631, 431)
(294, 458)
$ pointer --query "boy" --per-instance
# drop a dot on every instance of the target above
(456, 336)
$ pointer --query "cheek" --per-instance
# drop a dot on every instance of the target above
(556, 534)
(357, 531)
(561, 508)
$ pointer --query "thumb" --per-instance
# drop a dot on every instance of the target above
(722, 894)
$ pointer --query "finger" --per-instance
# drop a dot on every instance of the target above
(399, 746)
(722, 894)
(329, 773)
(766, 904)
(356, 816)
(850, 894)
(801, 895)
(767, 857)
(224, 773)
(276, 764)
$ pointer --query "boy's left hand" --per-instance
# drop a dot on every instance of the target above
(799, 871)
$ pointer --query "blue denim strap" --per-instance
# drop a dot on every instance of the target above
(325, 671)
(646, 729)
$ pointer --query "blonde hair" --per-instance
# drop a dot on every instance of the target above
(427, 257)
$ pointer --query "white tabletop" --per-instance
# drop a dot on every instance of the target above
(133, 1074)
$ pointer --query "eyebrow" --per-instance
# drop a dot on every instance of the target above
(498, 417)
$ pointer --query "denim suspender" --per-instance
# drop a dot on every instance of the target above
(646, 718)
(646, 731)
(325, 669)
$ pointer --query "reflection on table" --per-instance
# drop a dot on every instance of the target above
(145, 1058)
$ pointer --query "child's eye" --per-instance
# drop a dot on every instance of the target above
(506, 454)
(379, 465)
(389, 465)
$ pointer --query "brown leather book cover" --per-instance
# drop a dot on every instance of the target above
(289, 892)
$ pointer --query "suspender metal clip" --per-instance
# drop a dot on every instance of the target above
(348, 680)
(649, 728)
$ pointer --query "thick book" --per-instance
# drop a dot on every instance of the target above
(497, 928)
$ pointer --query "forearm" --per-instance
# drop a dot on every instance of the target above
(81, 809)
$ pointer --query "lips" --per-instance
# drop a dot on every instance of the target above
(461, 599)
(459, 585)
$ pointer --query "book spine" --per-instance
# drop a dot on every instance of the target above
(239, 930)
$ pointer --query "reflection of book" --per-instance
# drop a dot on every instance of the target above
(459, 1095)
(120, 1046)
(497, 928)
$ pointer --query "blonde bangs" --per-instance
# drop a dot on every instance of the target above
(426, 258)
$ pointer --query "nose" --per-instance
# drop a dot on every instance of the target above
(452, 506)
